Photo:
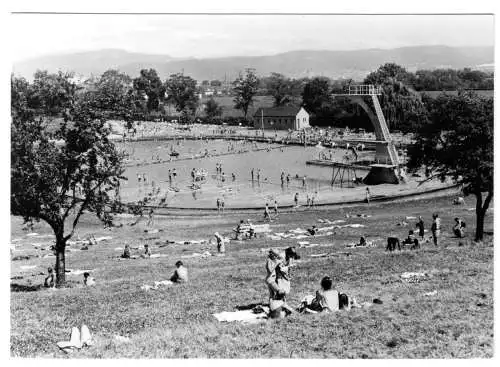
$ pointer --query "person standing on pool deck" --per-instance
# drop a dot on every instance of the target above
(222, 205)
(218, 205)
(174, 174)
(258, 175)
(436, 228)
(275, 207)
(251, 172)
(288, 180)
(282, 178)
(296, 199)
(368, 195)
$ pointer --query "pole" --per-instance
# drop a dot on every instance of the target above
(262, 120)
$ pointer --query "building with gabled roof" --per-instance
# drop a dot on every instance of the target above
(281, 118)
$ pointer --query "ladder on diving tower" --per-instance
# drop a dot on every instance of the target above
(385, 130)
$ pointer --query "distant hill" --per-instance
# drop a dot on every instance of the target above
(87, 63)
(336, 64)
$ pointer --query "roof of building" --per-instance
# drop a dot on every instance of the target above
(277, 111)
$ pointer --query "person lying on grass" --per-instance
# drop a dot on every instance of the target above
(180, 274)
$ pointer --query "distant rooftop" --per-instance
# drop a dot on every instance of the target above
(277, 111)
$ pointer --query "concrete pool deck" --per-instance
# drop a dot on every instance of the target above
(335, 196)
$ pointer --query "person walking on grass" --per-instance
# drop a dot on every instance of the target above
(436, 228)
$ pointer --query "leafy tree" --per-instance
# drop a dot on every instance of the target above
(149, 86)
(112, 88)
(244, 89)
(51, 94)
(20, 92)
(402, 106)
(389, 72)
(457, 143)
(181, 91)
(57, 174)
(284, 90)
(212, 109)
(316, 95)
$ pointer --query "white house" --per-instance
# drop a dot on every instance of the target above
(281, 118)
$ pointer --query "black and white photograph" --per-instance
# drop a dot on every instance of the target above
(247, 184)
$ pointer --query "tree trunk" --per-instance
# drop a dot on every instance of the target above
(60, 267)
(481, 213)
(480, 225)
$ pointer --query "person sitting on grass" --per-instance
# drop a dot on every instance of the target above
(88, 281)
(180, 273)
(278, 308)
(50, 280)
(147, 252)
(459, 228)
(411, 240)
(362, 242)
(126, 252)
(327, 299)
(313, 230)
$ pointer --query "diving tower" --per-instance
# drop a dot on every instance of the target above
(386, 166)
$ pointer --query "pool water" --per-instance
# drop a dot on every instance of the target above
(240, 192)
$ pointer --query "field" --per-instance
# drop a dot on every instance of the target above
(177, 321)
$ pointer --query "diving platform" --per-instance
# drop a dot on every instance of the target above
(327, 163)
(385, 150)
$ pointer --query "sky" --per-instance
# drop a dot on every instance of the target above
(204, 36)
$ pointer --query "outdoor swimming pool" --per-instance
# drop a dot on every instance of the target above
(241, 192)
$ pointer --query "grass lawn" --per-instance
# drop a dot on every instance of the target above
(177, 321)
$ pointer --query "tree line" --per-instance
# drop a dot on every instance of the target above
(146, 96)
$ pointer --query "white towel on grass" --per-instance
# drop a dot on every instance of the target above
(244, 316)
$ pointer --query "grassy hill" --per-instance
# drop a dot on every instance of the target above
(456, 321)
